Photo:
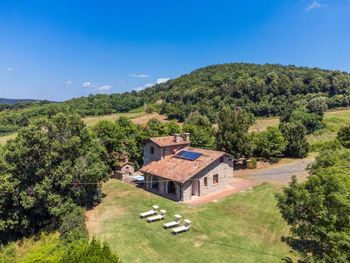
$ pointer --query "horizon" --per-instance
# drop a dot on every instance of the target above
(58, 51)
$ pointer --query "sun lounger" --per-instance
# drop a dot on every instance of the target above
(157, 217)
(174, 223)
(183, 228)
(151, 212)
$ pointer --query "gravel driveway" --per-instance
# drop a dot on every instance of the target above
(278, 173)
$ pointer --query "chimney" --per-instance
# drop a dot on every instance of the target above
(187, 137)
(176, 137)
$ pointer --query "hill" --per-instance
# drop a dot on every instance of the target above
(14, 101)
(265, 90)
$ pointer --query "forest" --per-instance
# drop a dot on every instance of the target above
(264, 90)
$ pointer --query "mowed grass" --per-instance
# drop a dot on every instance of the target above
(333, 121)
(93, 120)
(245, 227)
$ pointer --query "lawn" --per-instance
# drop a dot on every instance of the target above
(333, 121)
(245, 227)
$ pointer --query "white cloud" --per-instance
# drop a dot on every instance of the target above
(314, 5)
(139, 75)
(162, 80)
(104, 87)
(148, 85)
(140, 88)
(96, 87)
(68, 82)
(88, 84)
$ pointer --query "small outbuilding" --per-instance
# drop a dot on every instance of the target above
(123, 168)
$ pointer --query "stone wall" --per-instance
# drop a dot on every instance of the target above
(223, 169)
(159, 152)
(147, 156)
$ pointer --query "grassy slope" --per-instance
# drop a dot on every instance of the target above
(333, 120)
(245, 227)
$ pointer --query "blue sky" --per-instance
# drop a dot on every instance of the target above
(61, 49)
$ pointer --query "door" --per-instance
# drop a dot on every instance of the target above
(195, 187)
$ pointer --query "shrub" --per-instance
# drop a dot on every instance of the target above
(73, 226)
(84, 251)
(344, 136)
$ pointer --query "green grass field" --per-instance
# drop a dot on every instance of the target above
(93, 120)
(245, 227)
(333, 121)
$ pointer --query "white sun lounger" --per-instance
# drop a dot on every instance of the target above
(151, 212)
(176, 222)
(157, 217)
(183, 228)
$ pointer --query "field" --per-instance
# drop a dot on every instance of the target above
(5, 138)
(245, 227)
(137, 117)
(333, 121)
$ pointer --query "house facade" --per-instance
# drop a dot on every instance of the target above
(180, 172)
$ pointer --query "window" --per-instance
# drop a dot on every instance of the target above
(205, 181)
(151, 150)
(215, 178)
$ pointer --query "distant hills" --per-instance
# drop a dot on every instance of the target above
(14, 101)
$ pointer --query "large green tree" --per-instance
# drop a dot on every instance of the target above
(49, 168)
(201, 130)
(295, 135)
(232, 135)
(318, 210)
(270, 143)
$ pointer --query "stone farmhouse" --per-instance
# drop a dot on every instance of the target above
(174, 169)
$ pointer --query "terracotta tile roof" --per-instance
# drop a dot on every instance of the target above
(181, 170)
(169, 141)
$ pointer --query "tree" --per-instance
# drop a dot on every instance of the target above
(344, 136)
(270, 143)
(201, 130)
(48, 166)
(295, 135)
(232, 134)
(120, 138)
(84, 251)
(318, 105)
(310, 120)
(318, 210)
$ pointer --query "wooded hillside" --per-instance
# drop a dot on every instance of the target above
(265, 90)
